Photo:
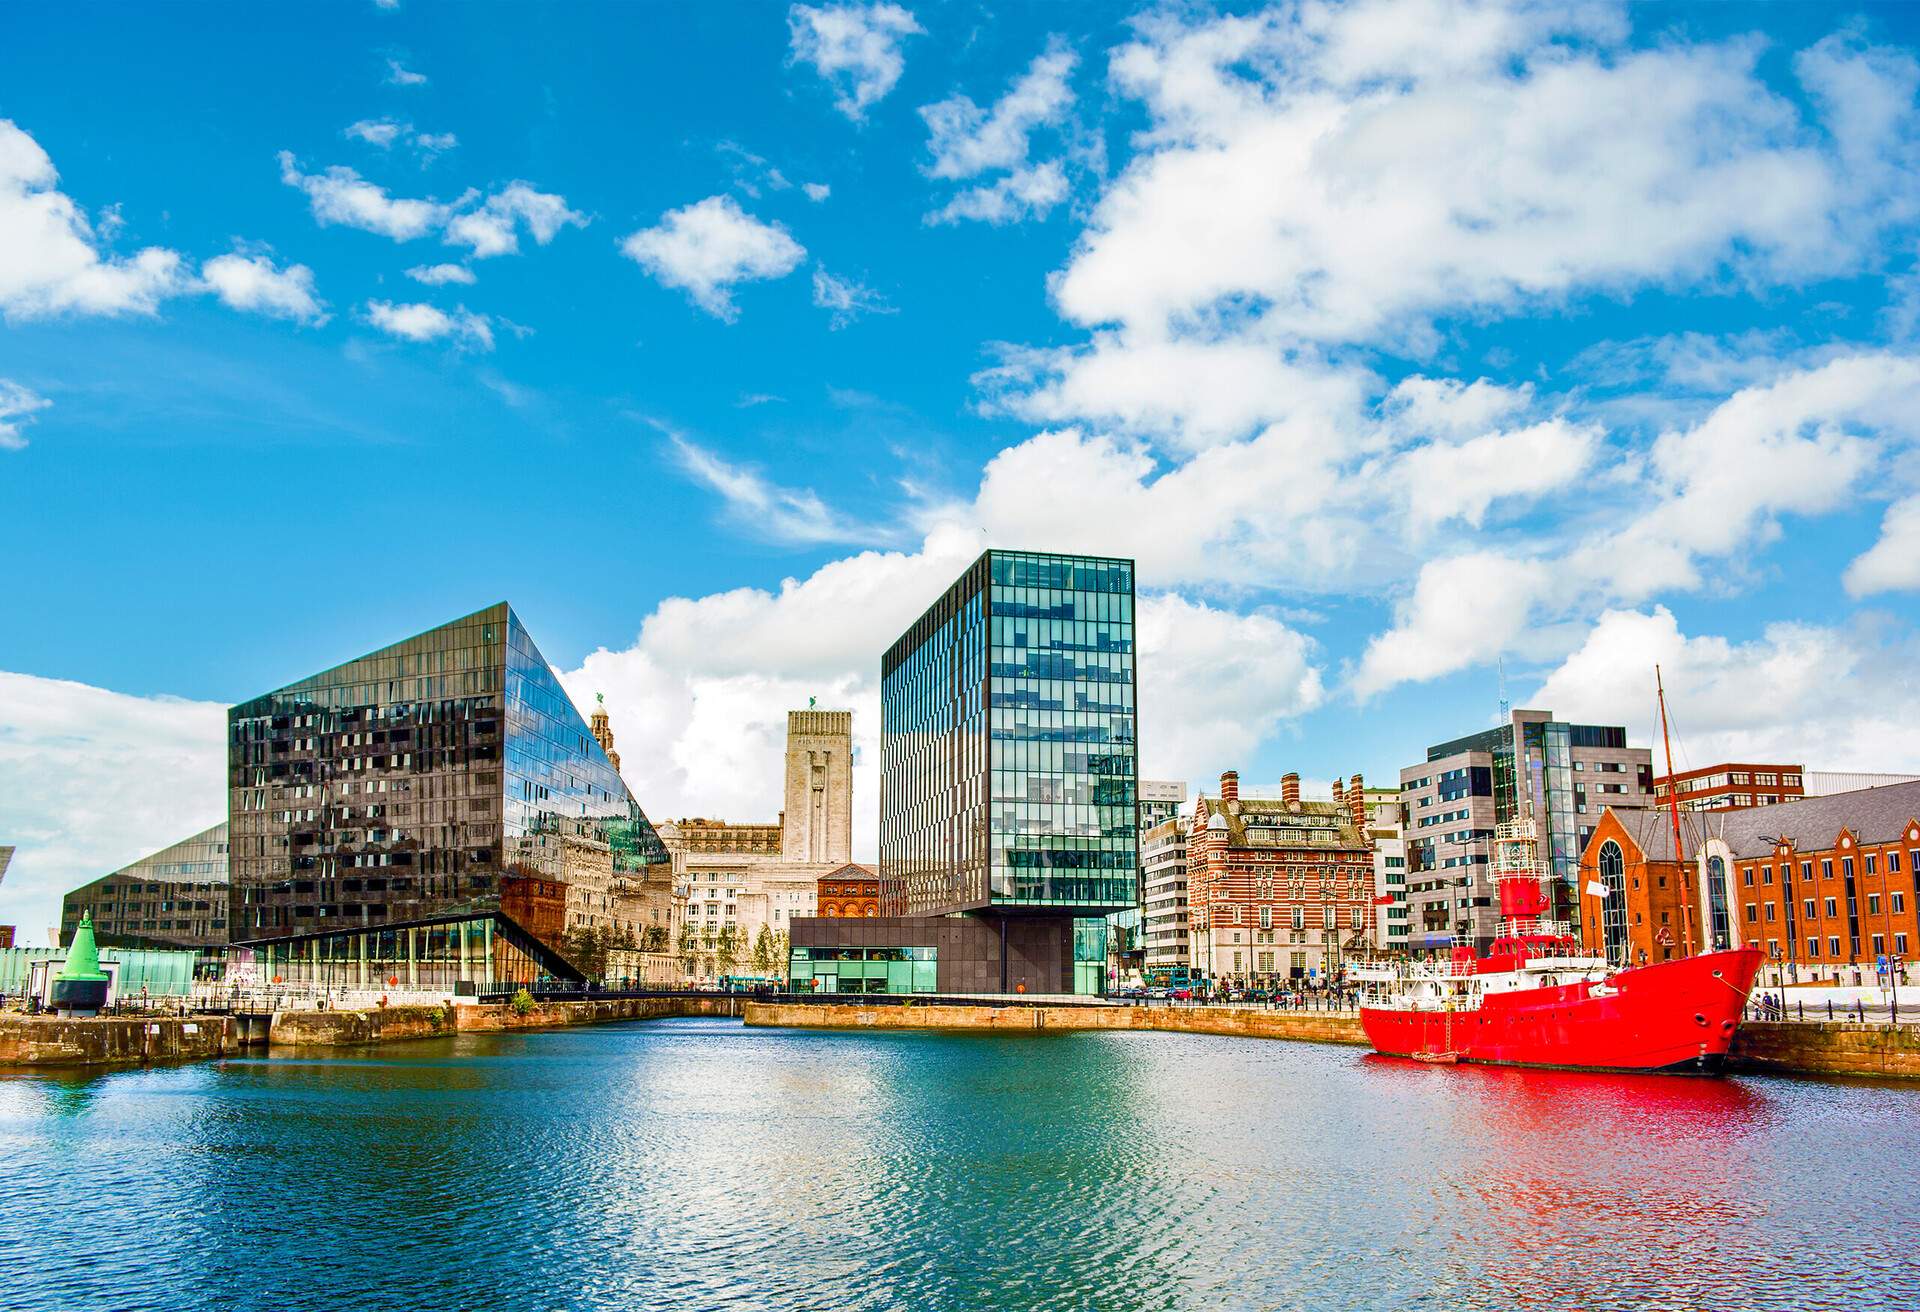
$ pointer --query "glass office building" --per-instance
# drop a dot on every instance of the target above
(175, 898)
(438, 783)
(1007, 773)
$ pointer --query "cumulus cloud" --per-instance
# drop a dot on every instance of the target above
(493, 228)
(91, 780)
(1463, 610)
(965, 139)
(51, 256)
(252, 283)
(18, 405)
(816, 191)
(1840, 698)
(847, 298)
(707, 248)
(1893, 563)
(341, 196)
(439, 275)
(1310, 179)
(384, 133)
(418, 322)
(399, 75)
(856, 48)
(1025, 193)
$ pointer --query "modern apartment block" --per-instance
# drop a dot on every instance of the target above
(1161, 800)
(1565, 774)
(1730, 786)
(1392, 924)
(435, 814)
(1009, 813)
(175, 898)
(1163, 878)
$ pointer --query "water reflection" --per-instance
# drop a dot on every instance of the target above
(697, 1165)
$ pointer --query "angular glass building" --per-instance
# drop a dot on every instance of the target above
(436, 811)
(1008, 779)
(175, 898)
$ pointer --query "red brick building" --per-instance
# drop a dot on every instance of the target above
(851, 891)
(1278, 889)
(1732, 787)
(1646, 913)
(1828, 885)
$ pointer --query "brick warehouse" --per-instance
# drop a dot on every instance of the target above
(1278, 889)
(1645, 916)
(1825, 886)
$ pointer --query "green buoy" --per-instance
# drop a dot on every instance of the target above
(80, 989)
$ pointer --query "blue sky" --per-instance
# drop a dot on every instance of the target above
(1398, 341)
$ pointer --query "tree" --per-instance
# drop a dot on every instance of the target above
(727, 950)
(763, 951)
(654, 939)
(782, 953)
(586, 947)
(690, 951)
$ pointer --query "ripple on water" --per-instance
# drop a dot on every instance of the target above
(693, 1164)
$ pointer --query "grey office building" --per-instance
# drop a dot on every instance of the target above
(1568, 773)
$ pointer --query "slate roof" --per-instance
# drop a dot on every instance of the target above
(1246, 813)
(1872, 815)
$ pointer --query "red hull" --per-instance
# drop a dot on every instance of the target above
(1675, 1015)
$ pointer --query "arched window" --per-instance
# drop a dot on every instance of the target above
(1613, 916)
(1717, 904)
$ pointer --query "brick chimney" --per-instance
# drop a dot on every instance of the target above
(1339, 794)
(1357, 802)
(1290, 790)
(1230, 786)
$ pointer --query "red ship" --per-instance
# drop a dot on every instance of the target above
(1540, 998)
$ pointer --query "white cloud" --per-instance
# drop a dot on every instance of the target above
(1892, 564)
(762, 508)
(492, 229)
(1026, 193)
(1464, 610)
(1831, 698)
(966, 140)
(1214, 685)
(434, 143)
(1797, 445)
(816, 191)
(51, 261)
(856, 48)
(381, 132)
(847, 298)
(91, 780)
(708, 247)
(18, 405)
(399, 75)
(418, 322)
(1445, 481)
(250, 282)
(341, 196)
(438, 275)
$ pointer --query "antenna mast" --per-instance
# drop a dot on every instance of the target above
(1673, 811)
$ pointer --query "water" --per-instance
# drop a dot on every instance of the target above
(694, 1164)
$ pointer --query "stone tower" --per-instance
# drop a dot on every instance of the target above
(817, 825)
(602, 731)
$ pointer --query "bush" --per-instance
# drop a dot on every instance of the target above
(437, 1018)
(521, 1003)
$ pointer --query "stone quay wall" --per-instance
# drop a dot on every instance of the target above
(116, 1040)
(1827, 1048)
(1306, 1027)
(332, 1029)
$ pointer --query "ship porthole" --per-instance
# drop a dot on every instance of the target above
(1716, 974)
(1698, 1019)
(1726, 1027)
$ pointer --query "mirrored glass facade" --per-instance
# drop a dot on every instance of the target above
(1008, 775)
(428, 781)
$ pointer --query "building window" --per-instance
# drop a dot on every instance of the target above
(1613, 915)
(1832, 907)
(1833, 946)
(1813, 948)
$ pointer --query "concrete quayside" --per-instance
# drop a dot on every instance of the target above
(1762, 1047)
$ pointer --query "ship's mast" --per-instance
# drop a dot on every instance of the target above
(1673, 812)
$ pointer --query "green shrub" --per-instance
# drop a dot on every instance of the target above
(522, 1003)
